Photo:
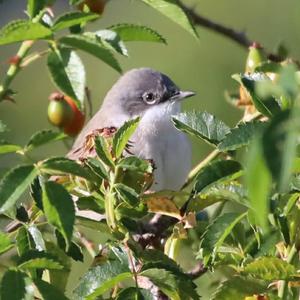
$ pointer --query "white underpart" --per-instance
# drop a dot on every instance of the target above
(156, 138)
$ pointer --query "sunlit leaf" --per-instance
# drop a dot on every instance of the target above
(5, 243)
(164, 206)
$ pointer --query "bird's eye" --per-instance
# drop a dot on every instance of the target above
(149, 98)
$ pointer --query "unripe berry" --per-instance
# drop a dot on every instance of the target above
(255, 57)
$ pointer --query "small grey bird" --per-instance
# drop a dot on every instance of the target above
(153, 97)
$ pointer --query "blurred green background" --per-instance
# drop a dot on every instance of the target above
(204, 66)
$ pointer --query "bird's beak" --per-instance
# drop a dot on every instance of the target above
(182, 95)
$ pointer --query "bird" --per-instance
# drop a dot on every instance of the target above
(155, 98)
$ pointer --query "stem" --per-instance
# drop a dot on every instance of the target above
(130, 258)
(14, 68)
(282, 290)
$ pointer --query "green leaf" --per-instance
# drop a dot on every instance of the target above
(24, 241)
(268, 106)
(100, 226)
(59, 209)
(97, 167)
(93, 46)
(73, 18)
(164, 280)
(101, 147)
(217, 232)
(133, 163)
(34, 259)
(91, 203)
(237, 288)
(202, 125)
(68, 73)
(13, 185)
(102, 275)
(279, 141)
(62, 165)
(123, 135)
(37, 238)
(131, 293)
(36, 192)
(127, 194)
(48, 291)
(258, 181)
(43, 137)
(9, 148)
(240, 136)
(109, 284)
(133, 32)
(172, 10)
(23, 30)
(5, 243)
(34, 7)
(215, 172)
(13, 285)
(270, 269)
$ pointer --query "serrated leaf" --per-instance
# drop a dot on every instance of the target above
(9, 148)
(238, 288)
(59, 209)
(240, 136)
(5, 243)
(13, 285)
(23, 30)
(100, 226)
(37, 238)
(93, 46)
(127, 194)
(268, 106)
(217, 232)
(48, 291)
(34, 7)
(99, 275)
(34, 259)
(215, 172)
(101, 147)
(97, 167)
(163, 206)
(202, 125)
(133, 32)
(70, 19)
(164, 280)
(270, 269)
(24, 241)
(62, 165)
(173, 11)
(13, 185)
(131, 293)
(109, 284)
(36, 192)
(133, 163)
(90, 203)
(123, 135)
(68, 73)
(43, 137)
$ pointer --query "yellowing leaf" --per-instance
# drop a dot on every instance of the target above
(163, 206)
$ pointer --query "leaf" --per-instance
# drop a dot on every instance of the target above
(43, 137)
(90, 203)
(93, 46)
(240, 136)
(270, 269)
(5, 243)
(59, 209)
(34, 7)
(164, 280)
(36, 192)
(3, 127)
(100, 275)
(109, 284)
(127, 194)
(173, 11)
(24, 241)
(34, 259)
(279, 142)
(131, 293)
(103, 152)
(9, 148)
(202, 125)
(13, 185)
(215, 172)
(68, 73)
(163, 206)
(13, 285)
(217, 232)
(62, 165)
(22, 30)
(100, 226)
(268, 106)
(37, 238)
(48, 291)
(133, 163)
(73, 18)
(97, 167)
(123, 135)
(133, 32)
(237, 288)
